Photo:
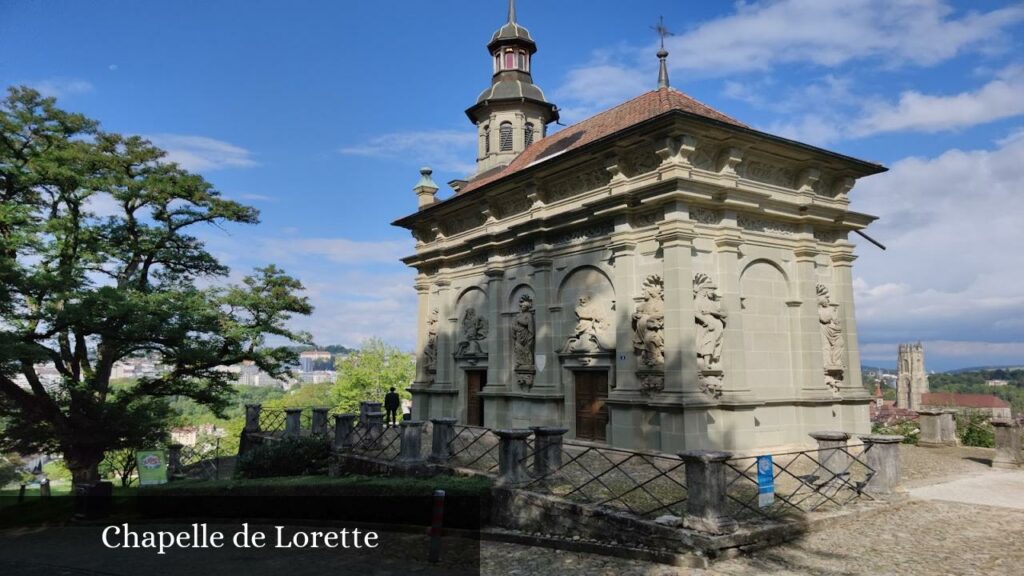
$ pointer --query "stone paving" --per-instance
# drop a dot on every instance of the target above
(910, 537)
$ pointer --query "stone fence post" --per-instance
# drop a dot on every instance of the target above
(947, 428)
(367, 407)
(411, 442)
(252, 417)
(833, 459)
(343, 431)
(292, 422)
(318, 425)
(547, 449)
(705, 492)
(174, 460)
(374, 428)
(934, 428)
(441, 440)
(511, 453)
(882, 454)
(44, 488)
(1008, 444)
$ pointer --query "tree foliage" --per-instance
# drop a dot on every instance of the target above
(368, 374)
(98, 262)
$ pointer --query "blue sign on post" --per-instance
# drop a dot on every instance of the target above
(765, 481)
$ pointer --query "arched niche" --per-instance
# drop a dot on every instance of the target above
(767, 327)
(593, 285)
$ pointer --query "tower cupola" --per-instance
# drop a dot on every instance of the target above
(512, 112)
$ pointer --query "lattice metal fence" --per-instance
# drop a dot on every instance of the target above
(474, 447)
(805, 481)
(201, 462)
(645, 484)
(377, 443)
(272, 421)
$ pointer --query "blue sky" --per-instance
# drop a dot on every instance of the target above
(320, 113)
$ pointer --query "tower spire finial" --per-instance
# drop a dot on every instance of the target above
(662, 53)
(512, 11)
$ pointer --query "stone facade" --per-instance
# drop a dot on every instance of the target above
(680, 281)
(911, 377)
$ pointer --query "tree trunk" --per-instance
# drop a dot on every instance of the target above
(84, 464)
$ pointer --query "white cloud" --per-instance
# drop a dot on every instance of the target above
(954, 267)
(200, 153)
(61, 87)
(441, 149)
(256, 197)
(1000, 98)
(760, 35)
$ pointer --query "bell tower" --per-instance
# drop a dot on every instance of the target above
(512, 112)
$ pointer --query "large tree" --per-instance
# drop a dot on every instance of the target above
(98, 262)
(368, 373)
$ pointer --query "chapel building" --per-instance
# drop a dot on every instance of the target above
(659, 276)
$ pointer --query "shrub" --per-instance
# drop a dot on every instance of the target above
(906, 428)
(974, 429)
(288, 457)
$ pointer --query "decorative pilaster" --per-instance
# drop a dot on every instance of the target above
(808, 361)
(676, 236)
(497, 345)
(623, 252)
(445, 336)
(735, 387)
(842, 293)
(547, 370)
(423, 376)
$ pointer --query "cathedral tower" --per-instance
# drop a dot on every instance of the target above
(512, 113)
(911, 378)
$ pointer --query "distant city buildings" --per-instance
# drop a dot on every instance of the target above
(997, 382)
(316, 361)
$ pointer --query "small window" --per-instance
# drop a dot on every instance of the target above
(497, 63)
(510, 60)
(522, 60)
(529, 133)
(505, 137)
(487, 139)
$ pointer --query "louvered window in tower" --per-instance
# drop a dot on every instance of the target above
(505, 137)
(529, 133)
(487, 139)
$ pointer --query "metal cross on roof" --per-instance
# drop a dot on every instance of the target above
(662, 31)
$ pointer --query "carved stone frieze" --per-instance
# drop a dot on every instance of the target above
(579, 182)
(756, 224)
(470, 261)
(512, 205)
(704, 157)
(651, 381)
(584, 233)
(759, 171)
(645, 219)
(828, 236)
(516, 249)
(463, 221)
(639, 160)
(706, 216)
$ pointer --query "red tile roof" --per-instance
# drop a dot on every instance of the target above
(963, 400)
(635, 111)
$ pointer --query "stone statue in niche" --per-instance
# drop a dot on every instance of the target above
(649, 324)
(474, 333)
(591, 323)
(524, 338)
(430, 348)
(710, 318)
(832, 345)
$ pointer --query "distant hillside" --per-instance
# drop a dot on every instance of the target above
(873, 369)
(985, 369)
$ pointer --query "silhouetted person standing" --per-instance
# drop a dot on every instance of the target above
(392, 403)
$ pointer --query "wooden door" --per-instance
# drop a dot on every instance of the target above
(591, 412)
(475, 382)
